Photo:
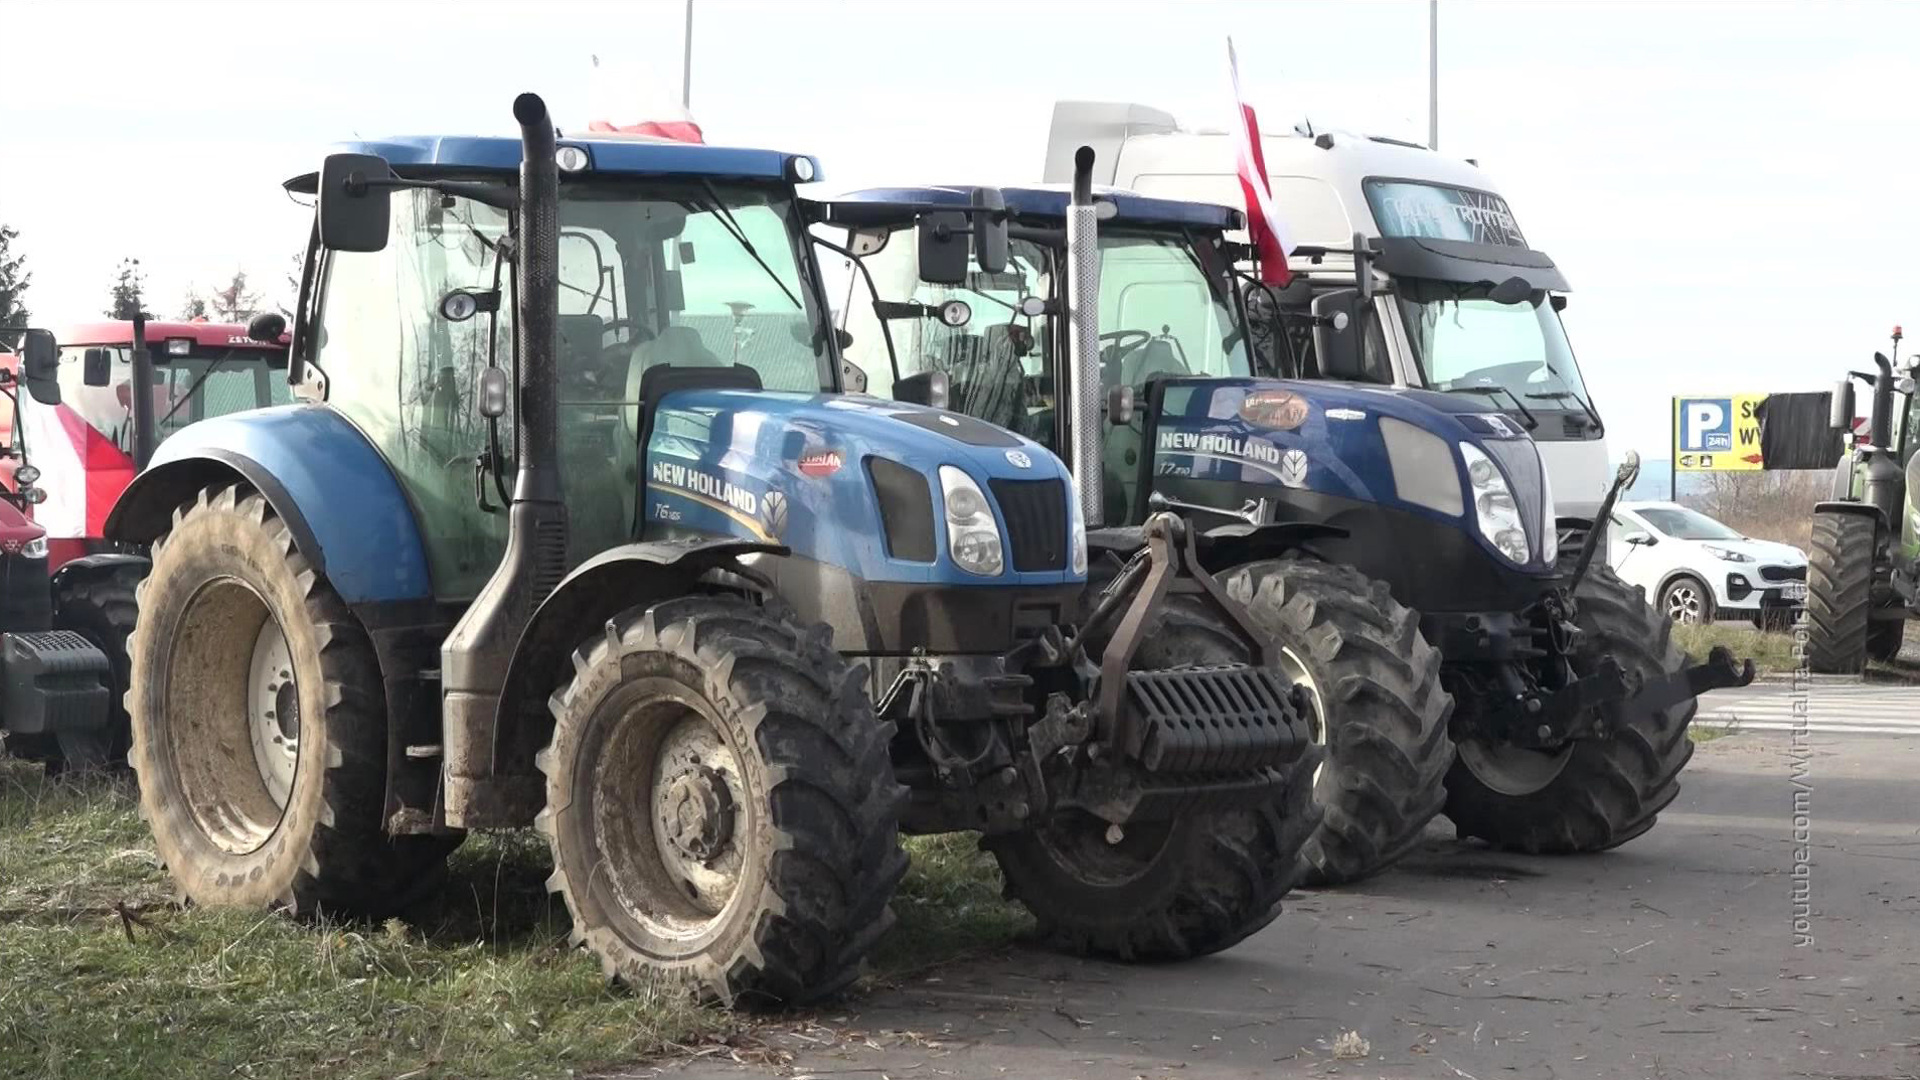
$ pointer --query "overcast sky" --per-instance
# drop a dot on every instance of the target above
(1727, 185)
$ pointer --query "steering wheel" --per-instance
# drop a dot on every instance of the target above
(1123, 342)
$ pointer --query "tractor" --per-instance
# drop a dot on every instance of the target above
(1420, 603)
(1863, 574)
(586, 527)
(79, 437)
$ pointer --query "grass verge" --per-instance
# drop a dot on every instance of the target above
(1773, 651)
(104, 976)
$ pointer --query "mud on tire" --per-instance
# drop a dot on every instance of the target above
(1597, 793)
(721, 807)
(226, 570)
(1166, 890)
(1378, 684)
(1840, 591)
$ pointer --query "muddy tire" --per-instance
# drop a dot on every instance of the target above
(1840, 591)
(1596, 793)
(1166, 890)
(1382, 712)
(239, 639)
(100, 607)
(721, 807)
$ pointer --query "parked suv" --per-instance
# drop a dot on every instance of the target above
(1697, 570)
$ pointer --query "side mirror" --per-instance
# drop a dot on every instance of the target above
(1363, 267)
(943, 248)
(853, 376)
(1642, 539)
(96, 367)
(1335, 314)
(267, 327)
(40, 365)
(1840, 410)
(355, 204)
(493, 393)
(990, 229)
(1559, 301)
(926, 388)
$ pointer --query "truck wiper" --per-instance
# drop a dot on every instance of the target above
(1562, 395)
(1527, 418)
(719, 210)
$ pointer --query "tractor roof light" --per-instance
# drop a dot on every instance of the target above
(34, 496)
(26, 475)
(179, 346)
(572, 159)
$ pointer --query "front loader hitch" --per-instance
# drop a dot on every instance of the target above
(1720, 672)
(1190, 721)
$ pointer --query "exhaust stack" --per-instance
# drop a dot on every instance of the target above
(1084, 441)
(474, 658)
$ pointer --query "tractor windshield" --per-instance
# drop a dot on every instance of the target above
(1472, 343)
(682, 272)
(206, 383)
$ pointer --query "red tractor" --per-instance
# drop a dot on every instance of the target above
(99, 400)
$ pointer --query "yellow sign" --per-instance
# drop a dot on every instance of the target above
(1717, 434)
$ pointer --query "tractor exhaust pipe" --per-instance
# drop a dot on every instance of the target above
(1084, 441)
(474, 658)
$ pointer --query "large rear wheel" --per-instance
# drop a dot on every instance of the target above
(259, 725)
(1375, 685)
(1164, 890)
(720, 804)
(1593, 793)
(1840, 590)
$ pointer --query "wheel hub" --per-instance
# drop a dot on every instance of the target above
(273, 711)
(696, 813)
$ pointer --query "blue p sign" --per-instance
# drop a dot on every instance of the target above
(1706, 424)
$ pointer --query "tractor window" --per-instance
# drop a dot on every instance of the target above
(1160, 315)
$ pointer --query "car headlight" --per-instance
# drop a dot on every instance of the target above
(1494, 506)
(35, 548)
(973, 537)
(1726, 554)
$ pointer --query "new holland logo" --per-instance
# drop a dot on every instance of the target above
(1019, 459)
(1193, 442)
(773, 511)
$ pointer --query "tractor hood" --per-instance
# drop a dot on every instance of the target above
(1409, 450)
(853, 481)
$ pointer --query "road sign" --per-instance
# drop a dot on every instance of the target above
(1717, 434)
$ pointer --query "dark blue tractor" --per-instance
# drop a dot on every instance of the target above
(577, 527)
(1398, 545)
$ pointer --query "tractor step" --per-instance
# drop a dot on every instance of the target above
(1229, 719)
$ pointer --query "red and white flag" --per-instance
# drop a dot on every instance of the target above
(627, 102)
(1264, 227)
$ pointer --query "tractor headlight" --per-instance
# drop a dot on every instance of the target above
(1076, 534)
(35, 548)
(27, 475)
(973, 537)
(1494, 506)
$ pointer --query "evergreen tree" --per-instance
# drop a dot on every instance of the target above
(14, 280)
(124, 299)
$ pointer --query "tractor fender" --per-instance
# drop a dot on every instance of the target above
(620, 578)
(340, 500)
(1848, 506)
(89, 565)
(1226, 546)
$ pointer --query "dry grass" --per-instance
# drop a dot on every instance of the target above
(479, 983)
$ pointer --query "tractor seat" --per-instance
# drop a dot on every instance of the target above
(675, 346)
(1154, 360)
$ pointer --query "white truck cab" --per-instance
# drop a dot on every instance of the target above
(1443, 242)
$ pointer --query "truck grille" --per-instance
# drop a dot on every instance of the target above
(1036, 517)
(1783, 573)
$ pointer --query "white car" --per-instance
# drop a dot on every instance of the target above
(1697, 570)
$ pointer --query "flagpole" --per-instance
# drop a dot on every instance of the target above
(1433, 73)
(686, 63)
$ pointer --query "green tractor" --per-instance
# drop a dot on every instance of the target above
(1863, 574)
(588, 531)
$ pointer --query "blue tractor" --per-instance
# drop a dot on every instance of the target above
(577, 527)
(1398, 545)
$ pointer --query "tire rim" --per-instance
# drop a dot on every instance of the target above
(1298, 674)
(1683, 603)
(1513, 770)
(671, 813)
(1097, 853)
(210, 710)
(273, 707)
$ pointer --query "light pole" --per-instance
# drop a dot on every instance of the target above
(1433, 71)
(686, 63)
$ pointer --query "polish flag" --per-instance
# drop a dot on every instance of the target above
(1263, 222)
(627, 102)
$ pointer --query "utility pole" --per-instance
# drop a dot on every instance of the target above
(1433, 72)
(686, 63)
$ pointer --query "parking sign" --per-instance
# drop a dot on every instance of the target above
(1717, 434)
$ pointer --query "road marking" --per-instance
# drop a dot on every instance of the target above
(1826, 708)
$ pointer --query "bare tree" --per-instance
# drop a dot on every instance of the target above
(235, 303)
(1767, 504)
(194, 306)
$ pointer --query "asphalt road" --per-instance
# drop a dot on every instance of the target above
(1677, 955)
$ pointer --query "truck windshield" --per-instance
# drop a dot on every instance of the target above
(1475, 342)
(185, 389)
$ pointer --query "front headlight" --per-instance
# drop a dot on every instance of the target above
(1726, 554)
(1494, 506)
(35, 548)
(973, 537)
